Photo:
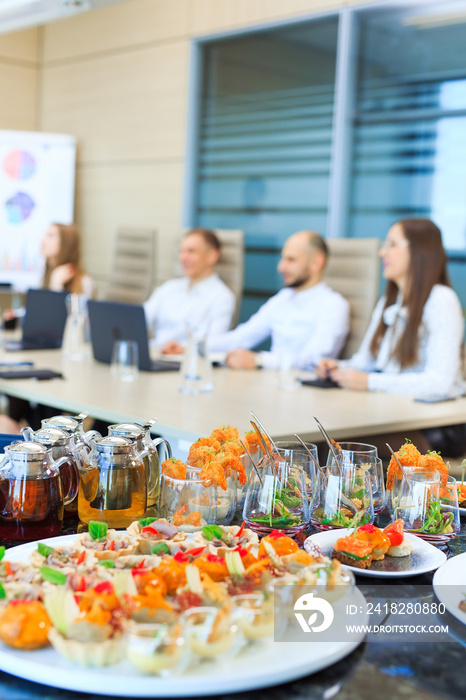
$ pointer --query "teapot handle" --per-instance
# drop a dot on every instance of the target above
(73, 479)
(166, 446)
(91, 435)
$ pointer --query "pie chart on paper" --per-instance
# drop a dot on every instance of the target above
(19, 208)
(19, 165)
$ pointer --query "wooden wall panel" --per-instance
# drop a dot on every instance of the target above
(18, 106)
(211, 15)
(139, 195)
(126, 24)
(117, 78)
(123, 106)
(21, 46)
(18, 80)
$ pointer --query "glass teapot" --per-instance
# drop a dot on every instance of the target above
(63, 445)
(73, 425)
(113, 484)
(144, 442)
(31, 492)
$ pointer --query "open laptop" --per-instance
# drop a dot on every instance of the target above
(110, 321)
(44, 321)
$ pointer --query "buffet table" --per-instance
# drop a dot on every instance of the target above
(420, 671)
(89, 387)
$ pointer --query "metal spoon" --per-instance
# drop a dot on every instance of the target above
(252, 462)
(266, 447)
(396, 460)
(264, 430)
(309, 452)
(336, 451)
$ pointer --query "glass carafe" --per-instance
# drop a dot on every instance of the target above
(32, 496)
(147, 446)
(113, 484)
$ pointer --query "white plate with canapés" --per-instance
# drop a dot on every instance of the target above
(423, 558)
(449, 584)
(257, 666)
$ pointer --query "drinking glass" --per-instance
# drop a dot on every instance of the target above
(276, 499)
(125, 360)
(216, 505)
(341, 498)
(186, 502)
(423, 509)
(294, 454)
(349, 448)
(366, 462)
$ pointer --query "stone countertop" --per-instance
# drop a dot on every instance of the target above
(418, 671)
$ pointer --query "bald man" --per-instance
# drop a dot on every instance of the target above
(305, 321)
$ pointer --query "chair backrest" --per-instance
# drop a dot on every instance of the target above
(230, 267)
(131, 276)
(353, 269)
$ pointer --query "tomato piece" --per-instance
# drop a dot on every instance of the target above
(81, 557)
(395, 532)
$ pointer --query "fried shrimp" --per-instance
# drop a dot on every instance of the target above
(212, 474)
(408, 456)
(230, 462)
(433, 462)
(202, 442)
(224, 433)
(174, 468)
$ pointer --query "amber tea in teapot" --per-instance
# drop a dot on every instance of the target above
(31, 493)
(113, 485)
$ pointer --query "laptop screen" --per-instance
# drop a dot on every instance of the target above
(45, 318)
(110, 321)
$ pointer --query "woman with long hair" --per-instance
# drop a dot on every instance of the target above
(61, 248)
(414, 341)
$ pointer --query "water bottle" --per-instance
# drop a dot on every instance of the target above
(196, 376)
(76, 337)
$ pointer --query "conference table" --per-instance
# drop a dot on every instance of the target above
(375, 668)
(88, 386)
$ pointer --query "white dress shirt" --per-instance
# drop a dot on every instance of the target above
(304, 327)
(438, 369)
(177, 307)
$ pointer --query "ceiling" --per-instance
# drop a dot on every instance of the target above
(20, 14)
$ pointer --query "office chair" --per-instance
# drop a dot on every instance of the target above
(353, 269)
(131, 276)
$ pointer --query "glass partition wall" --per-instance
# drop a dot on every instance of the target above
(267, 142)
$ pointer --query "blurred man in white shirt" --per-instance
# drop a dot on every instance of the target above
(199, 302)
(305, 320)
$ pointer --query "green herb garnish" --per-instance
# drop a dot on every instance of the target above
(146, 521)
(108, 563)
(2, 552)
(211, 531)
(2, 592)
(97, 530)
(160, 548)
(52, 575)
(44, 549)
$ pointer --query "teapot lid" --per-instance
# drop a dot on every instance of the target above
(115, 443)
(64, 422)
(133, 430)
(31, 450)
(51, 435)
